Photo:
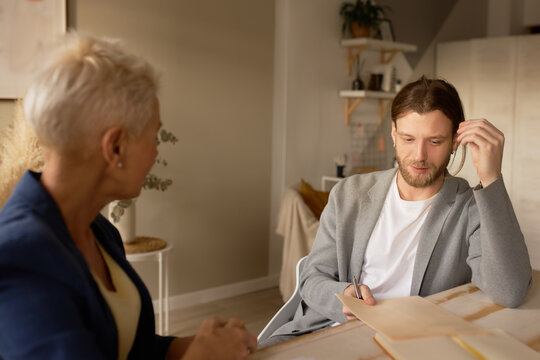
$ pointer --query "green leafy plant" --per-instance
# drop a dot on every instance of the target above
(151, 181)
(363, 12)
(119, 208)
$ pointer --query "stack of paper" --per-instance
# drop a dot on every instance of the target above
(414, 328)
(495, 345)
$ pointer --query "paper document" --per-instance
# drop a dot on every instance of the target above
(409, 317)
(494, 346)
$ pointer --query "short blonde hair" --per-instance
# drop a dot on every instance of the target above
(86, 86)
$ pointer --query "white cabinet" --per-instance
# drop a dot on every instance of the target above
(526, 147)
(499, 79)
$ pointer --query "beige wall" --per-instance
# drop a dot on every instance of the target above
(216, 62)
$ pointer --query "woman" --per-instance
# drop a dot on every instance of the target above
(66, 289)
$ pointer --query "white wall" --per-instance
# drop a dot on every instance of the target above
(468, 19)
(418, 21)
(308, 130)
(478, 19)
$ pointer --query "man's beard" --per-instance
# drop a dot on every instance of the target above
(421, 180)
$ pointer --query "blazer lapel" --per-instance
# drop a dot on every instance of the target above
(40, 201)
(371, 204)
(431, 232)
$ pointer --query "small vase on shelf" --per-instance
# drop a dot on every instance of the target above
(122, 216)
(357, 83)
(340, 161)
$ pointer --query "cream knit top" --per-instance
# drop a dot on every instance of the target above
(124, 302)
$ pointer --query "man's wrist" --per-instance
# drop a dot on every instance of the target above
(484, 183)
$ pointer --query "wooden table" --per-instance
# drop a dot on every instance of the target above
(354, 340)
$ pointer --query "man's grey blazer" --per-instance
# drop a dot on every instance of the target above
(469, 235)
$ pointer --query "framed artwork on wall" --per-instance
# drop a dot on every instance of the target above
(27, 28)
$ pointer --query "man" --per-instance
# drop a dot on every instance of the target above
(416, 230)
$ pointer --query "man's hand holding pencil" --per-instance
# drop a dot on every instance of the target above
(360, 292)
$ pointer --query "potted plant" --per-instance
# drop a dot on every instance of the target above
(362, 17)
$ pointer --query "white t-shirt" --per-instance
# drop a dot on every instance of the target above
(391, 250)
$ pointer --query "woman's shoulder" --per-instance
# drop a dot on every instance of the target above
(21, 226)
(29, 213)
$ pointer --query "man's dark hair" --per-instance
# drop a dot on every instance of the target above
(426, 95)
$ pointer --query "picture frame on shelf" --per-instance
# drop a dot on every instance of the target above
(386, 74)
(386, 30)
(375, 81)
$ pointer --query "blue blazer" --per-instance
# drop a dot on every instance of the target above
(50, 305)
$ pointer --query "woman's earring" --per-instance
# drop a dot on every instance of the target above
(120, 164)
(394, 144)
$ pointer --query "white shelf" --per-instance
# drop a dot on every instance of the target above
(366, 94)
(387, 49)
(385, 101)
(380, 45)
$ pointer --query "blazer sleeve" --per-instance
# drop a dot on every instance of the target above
(498, 255)
(161, 346)
(319, 280)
